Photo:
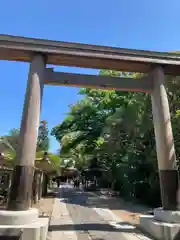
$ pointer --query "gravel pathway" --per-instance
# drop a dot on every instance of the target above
(76, 217)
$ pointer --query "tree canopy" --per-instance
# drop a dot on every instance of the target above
(117, 128)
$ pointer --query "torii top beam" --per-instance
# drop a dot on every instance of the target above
(14, 48)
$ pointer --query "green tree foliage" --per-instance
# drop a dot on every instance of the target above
(9, 145)
(13, 138)
(43, 137)
(117, 129)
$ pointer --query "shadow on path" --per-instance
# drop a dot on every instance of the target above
(123, 227)
(86, 221)
(97, 200)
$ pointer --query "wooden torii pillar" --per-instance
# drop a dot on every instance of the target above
(168, 171)
(21, 188)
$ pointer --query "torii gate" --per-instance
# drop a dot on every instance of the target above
(41, 52)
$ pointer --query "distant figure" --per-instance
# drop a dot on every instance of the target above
(76, 183)
(58, 182)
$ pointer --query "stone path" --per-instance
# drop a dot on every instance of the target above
(45, 205)
(75, 217)
(129, 212)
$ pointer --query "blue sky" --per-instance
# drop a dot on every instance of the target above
(140, 24)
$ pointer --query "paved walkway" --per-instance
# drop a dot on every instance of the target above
(75, 217)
